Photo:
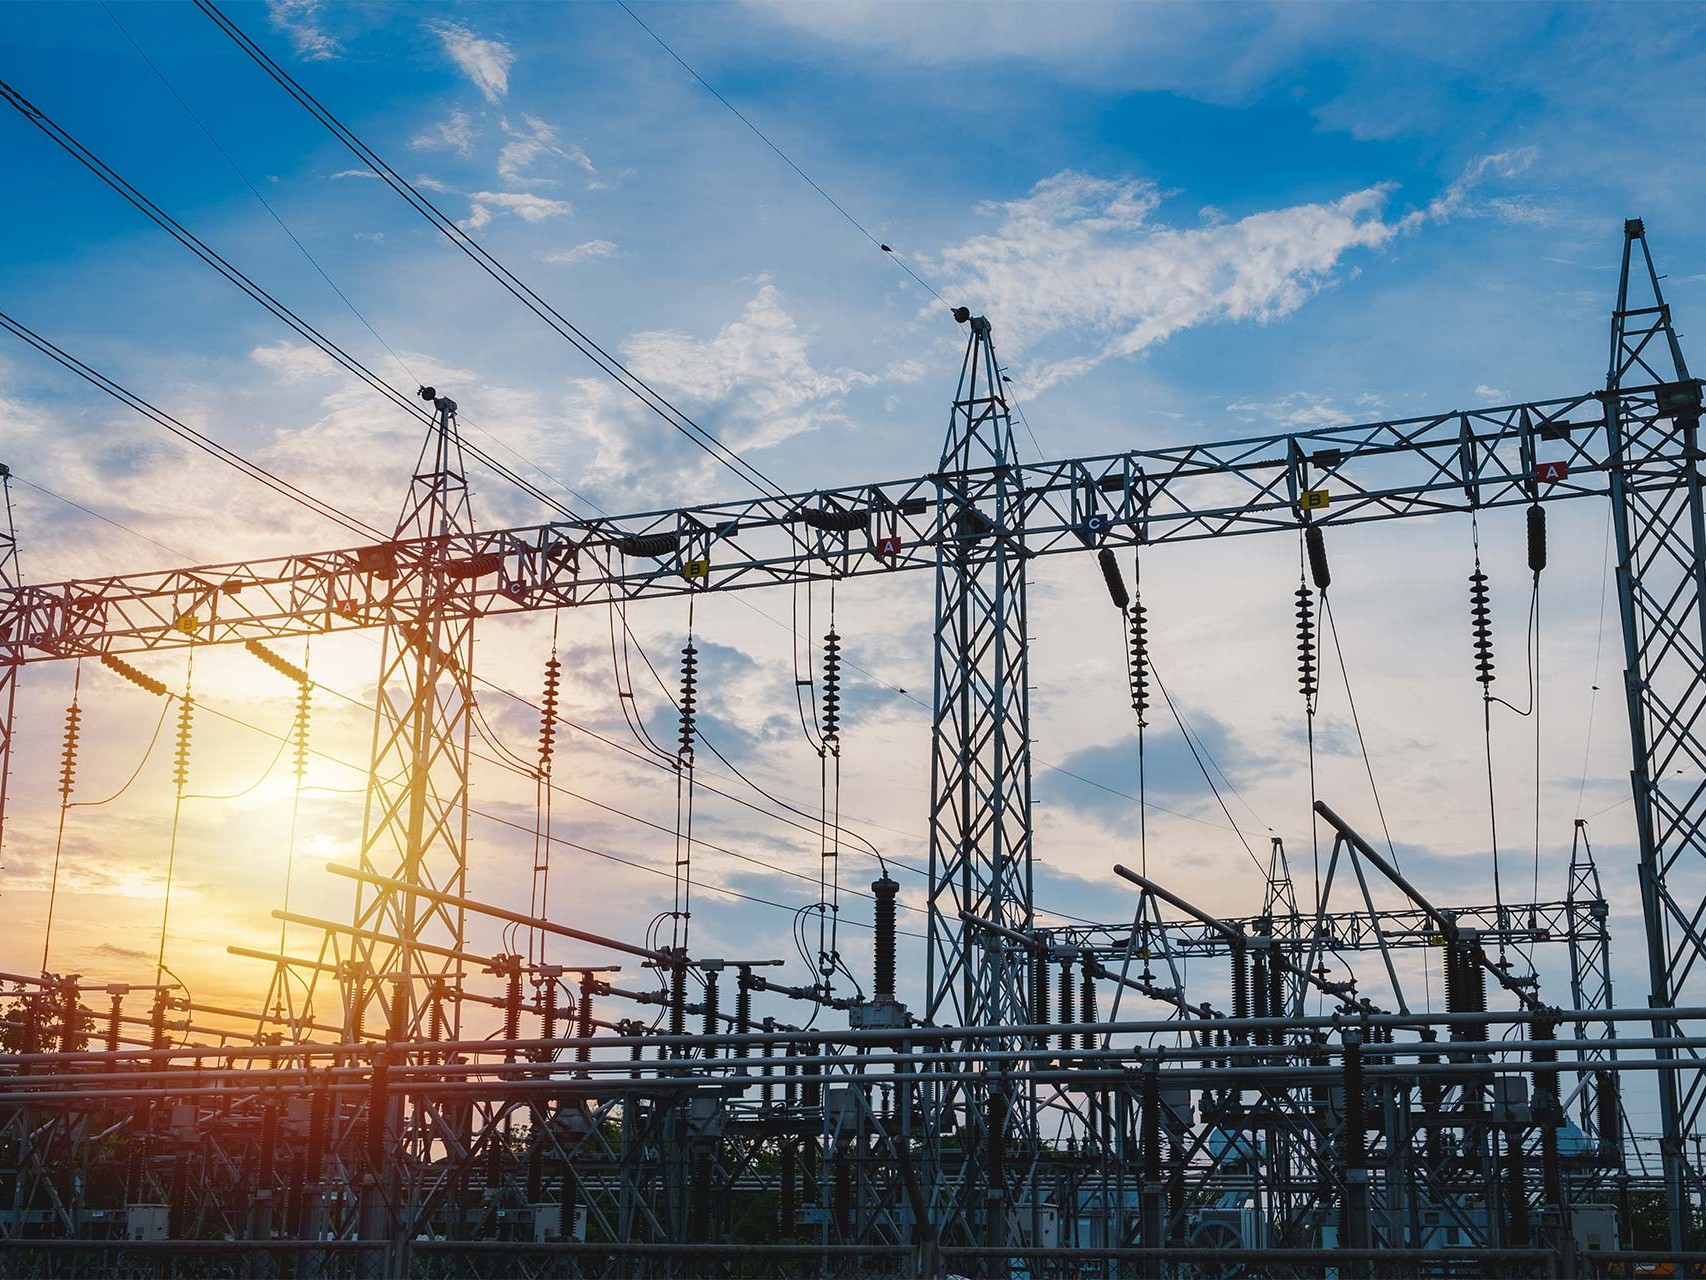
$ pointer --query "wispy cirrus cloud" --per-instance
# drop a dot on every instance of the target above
(530, 141)
(753, 384)
(523, 204)
(583, 252)
(485, 62)
(300, 21)
(454, 133)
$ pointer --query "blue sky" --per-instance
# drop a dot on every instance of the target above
(1185, 222)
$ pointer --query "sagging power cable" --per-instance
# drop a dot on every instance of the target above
(475, 252)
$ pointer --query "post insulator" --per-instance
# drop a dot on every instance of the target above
(883, 953)
(711, 1011)
(1307, 671)
(1536, 538)
(831, 691)
(512, 1004)
(678, 997)
(1065, 1002)
(1087, 1002)
(548, 1017)
(743, 1001)
(1481, 621)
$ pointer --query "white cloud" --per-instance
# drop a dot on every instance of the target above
(753, 385)
(1461, 199)
(457, 133)
(582, 252)
(300, 20)
(527, 207)
(1490, 394)
(1084, 255)
(528, 142)
(293, 362)
(485, 62)
(1081, 255)
(354, 173)
(1297, 412)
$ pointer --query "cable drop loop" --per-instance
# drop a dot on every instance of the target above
(1536, 538)
(1481, 621)
(831, 727)
(689, 696)
(1316, 544)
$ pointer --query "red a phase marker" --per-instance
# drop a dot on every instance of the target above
(889, 546)
(1551, 472)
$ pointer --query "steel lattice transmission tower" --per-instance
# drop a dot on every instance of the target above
(1659, 520)
(415, 825)
(980, 778)
(980, 782)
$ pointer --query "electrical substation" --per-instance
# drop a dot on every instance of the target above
(1167, 1093)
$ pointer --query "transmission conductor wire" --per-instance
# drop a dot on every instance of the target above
(559, 323)
(783, 156)
(256, 192)
(256, 292)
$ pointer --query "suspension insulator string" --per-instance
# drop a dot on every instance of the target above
(829, 801)
(1137, 675)
(283, 997)
(1312, 549)
(180, 779)
(683, 907)
(1481, 628)
(67, 777)
(542, 791)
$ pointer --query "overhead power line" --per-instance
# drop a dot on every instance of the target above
(559, 323)
(205, 443)
(400, 399)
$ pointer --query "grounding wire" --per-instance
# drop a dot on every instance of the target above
(759, 133)
(60, 497)
(471, 248)
(1356, 722)
(1207, 777)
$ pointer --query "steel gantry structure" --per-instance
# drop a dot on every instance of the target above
(946, 1132)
